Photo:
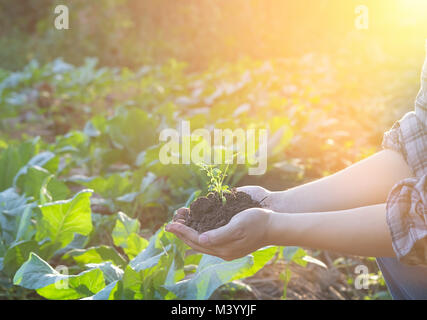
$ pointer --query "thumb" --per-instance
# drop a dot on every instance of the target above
(229, 232)
(256, 193)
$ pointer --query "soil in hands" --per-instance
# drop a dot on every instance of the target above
(207, 213)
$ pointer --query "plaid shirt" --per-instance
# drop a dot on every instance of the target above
(407, 201)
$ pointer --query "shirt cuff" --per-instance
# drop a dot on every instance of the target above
(408, 137)
(407, 220)
(392, 139)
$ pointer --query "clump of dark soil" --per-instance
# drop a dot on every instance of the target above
(207, 213)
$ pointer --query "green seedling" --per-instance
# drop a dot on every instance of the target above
(216, 177)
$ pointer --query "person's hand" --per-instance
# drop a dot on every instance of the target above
(246, 232)
(257, 193)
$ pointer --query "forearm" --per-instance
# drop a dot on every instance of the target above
(365, 183)
(361, 231)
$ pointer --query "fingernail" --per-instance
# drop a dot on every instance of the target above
(203, 239)
(167, 227)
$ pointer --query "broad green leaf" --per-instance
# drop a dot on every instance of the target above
(37, 274)
(110, 187)
(78, 286)
(96, 255)
(135, 244)
(125, 235)
(104, 294)
(129, 287)
(125, 226)
(162, 243)
(193, 259)
(126, 128)
(159, 263)
(14, 158)
(72, 141)
(32, 182)
(213, 272)
(141, 262)
(17, 254)
(174, 274)
(260, 258)
(39, 160)
(102, 228)
(295, 254)
(111, 272)
(60, 220)
(12, 207)
(204, 282)
(148, 282)
(167, 272)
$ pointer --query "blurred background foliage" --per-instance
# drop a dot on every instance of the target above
(132, 32)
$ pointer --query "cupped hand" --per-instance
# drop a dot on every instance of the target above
(246, 232)
(257, 193)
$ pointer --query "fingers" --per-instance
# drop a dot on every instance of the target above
(199, 248)
(257, 193)
(223, 235)
(181, 213)
(183, 230)
(189, 236)
(214, 242)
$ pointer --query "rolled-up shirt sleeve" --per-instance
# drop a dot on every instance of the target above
(407, 220)
(407, 201)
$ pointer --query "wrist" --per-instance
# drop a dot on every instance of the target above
(279, 228)
(276, 201)
(268, 200)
